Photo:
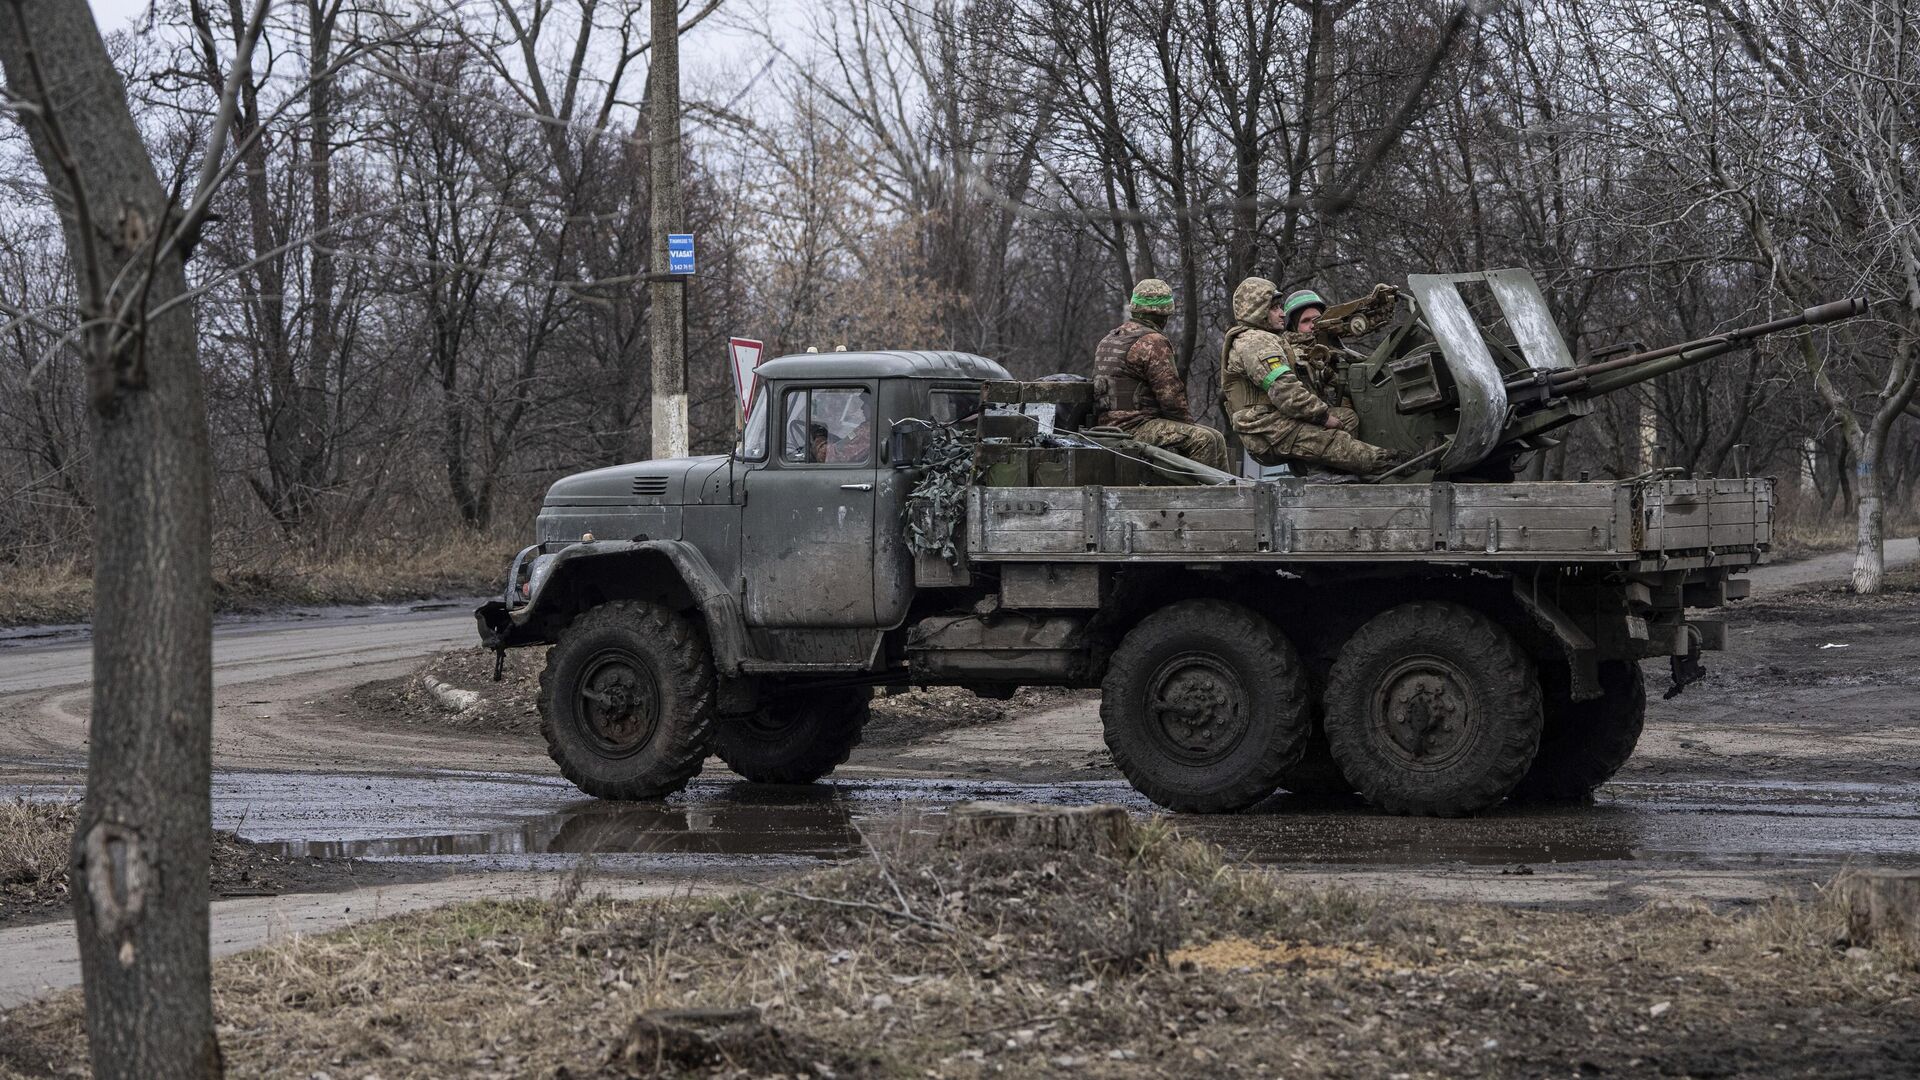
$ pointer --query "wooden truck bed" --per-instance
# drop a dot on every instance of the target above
(1653, 524)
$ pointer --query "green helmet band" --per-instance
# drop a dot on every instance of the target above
(1151, 301)
(1303, 299)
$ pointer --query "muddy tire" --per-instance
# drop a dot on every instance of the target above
(796, 737)
(1205, 706)
(1585, 742)
(1433, 709)
(627, 701)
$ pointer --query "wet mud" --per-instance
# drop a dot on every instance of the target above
(727, 828)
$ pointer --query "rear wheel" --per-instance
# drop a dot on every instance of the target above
(626, 701)
(1585, 742)
(1433, 709)
(796, 737)
(1204, 707)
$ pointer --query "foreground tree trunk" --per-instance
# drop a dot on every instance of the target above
(140, 849)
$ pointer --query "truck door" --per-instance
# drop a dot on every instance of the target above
(808, 535)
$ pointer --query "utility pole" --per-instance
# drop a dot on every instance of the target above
(668, 296)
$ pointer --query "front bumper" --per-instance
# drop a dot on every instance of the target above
(496, 624)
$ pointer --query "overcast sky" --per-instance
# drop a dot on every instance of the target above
(115, 14)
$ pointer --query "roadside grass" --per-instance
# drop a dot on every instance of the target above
(929, 961)
(34, 842)
(268, 575)
(36, 879)
(1802, 528)
(1899, 593)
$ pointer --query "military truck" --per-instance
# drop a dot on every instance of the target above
(894, 519)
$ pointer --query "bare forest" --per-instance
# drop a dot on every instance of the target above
(422, 290)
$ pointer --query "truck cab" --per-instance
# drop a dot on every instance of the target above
(787, 551)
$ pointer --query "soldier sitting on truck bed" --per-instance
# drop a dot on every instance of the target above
(1137, 389)
(1279, 402)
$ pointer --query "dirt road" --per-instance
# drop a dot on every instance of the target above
(274, 683)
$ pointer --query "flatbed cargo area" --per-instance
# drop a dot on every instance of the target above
(1640, 524)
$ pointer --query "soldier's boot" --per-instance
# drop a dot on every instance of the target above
(1196, 442)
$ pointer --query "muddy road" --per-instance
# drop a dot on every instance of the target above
(1798, 755)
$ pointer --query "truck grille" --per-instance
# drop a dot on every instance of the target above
(649, 485)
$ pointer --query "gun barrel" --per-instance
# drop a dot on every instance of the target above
(1626, 370)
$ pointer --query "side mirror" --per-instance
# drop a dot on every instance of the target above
(905, 445)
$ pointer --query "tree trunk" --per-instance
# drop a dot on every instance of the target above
(322, 336)
(142, 842)
(1883, 906)
(667, 299)
(1869, 548)
(1102, 830)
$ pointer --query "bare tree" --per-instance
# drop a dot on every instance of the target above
(142, 843)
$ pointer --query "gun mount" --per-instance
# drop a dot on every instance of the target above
(1466, 388)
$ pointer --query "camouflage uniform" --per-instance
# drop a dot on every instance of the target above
(1137, 388)
(1279, 401)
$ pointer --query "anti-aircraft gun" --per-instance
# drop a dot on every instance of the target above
(1464, 389)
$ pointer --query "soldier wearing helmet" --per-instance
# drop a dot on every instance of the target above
(1138, 389)
(1283, 403)
(1316, 365)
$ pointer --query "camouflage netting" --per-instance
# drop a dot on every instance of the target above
(937, 505)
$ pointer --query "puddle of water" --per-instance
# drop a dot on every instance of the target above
(745, 822)
(512, 820)
(817, 823)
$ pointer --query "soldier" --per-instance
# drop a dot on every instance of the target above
(1137, 389)
(1277, 403)
(1315, 364)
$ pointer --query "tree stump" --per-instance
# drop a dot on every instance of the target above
(1882, 906)
(1103, 830)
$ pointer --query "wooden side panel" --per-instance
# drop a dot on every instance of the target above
(1040, 521)
(1189, 521)
(1535, 517)
(1291, 520)
(1692, 515)
(1358, 518)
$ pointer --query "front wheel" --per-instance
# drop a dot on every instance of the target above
(627, 701)
(796, 737)
(1433, 709)
(1205, 706)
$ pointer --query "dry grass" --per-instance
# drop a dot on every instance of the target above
(1899, 595)
(35, 879)
(929, 961)
(1802, 528)
(34, 840)
(458, 563)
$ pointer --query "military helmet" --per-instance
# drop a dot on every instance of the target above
(1151, 296)
(1300, 301)
(1251, 299)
